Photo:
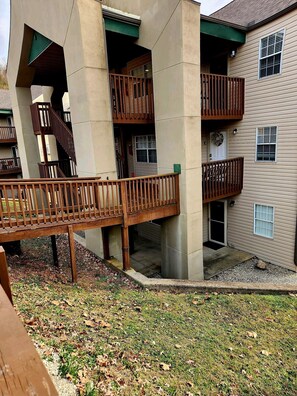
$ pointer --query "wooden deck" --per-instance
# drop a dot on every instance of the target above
(222, 179)
(40, 207)
(222, 97)
(7, 134)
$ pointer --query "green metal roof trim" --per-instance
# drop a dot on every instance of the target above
(39, 45)
(6, 111)
(222, 31)
(127, 29)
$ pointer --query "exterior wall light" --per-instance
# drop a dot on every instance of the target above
(233, 54)
(231, 203)
(235, 131)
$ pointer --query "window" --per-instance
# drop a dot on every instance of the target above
(263, 220)
(266, 144)
(270, 55)
(145, 147)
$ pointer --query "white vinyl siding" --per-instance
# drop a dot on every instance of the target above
(266, 144)
(270, 54)
(268, 102)
(263, 220)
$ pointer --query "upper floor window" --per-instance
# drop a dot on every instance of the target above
(145, 147)
(266, 144)
(270, 55)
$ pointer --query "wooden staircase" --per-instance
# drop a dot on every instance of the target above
(46, 121)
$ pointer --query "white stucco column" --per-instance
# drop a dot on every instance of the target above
(89, 96)
(27, 143)
(176, 67)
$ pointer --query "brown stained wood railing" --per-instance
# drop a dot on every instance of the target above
(29, 204)
(57, 169)
(41, 118)
(222, 97)
(222, 179)
(132, 99)
(10, 165)
(7, 134)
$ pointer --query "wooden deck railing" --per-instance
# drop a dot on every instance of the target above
(56, 169)
(7, 134)
(222, 97)
(45, 202)
(10, 165)
(222, 179)
(132, 99)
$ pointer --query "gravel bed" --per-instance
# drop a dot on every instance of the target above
(248, 272)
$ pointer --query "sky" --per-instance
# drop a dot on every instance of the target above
(207, 7)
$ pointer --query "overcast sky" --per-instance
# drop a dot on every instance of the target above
(207, 7)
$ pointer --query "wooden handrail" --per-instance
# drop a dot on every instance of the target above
(46, 202)
(7, 133)
(4, 278)
(222, 97)
(222, 179)
(57, 169)
(132, 98)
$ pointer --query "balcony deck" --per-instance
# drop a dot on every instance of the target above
(40, 207)
(222, 179)
(10, 166)
(222, 97)
(7, 134)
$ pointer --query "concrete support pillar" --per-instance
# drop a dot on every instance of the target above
(176, 66)
(27, 142)
(89, 95)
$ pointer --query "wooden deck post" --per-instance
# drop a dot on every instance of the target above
(4, 277)
(72, 254)
(125, 228)
(105, 241)
(55, 251)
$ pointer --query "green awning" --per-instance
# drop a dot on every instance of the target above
(5, 111)
(121, 27)
(39, 45)
(222, 31)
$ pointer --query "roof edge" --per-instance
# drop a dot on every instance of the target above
(272, 17)
(222, 22)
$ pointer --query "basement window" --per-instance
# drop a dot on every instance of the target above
(263, 220)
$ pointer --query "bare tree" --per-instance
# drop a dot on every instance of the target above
(3, 76)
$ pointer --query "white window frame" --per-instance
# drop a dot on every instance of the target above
(265, 221)
(146, 148)
(268, 56)
(266, 144)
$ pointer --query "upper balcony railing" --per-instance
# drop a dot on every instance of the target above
(10, 165)
(132, 99)
(222, 179)
(222, 97)
(7, 134)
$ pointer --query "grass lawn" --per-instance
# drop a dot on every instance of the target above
(116, 339)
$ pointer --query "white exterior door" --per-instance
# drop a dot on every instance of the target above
(218, 146)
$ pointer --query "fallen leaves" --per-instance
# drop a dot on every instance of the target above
(165, 366)
(265, 353)
(252, 334)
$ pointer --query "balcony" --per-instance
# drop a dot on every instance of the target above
(7, 134)
(132, 99)
(222, 179)
(222, 97)
(10, 166)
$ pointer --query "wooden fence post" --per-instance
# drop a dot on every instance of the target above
(4, 277)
